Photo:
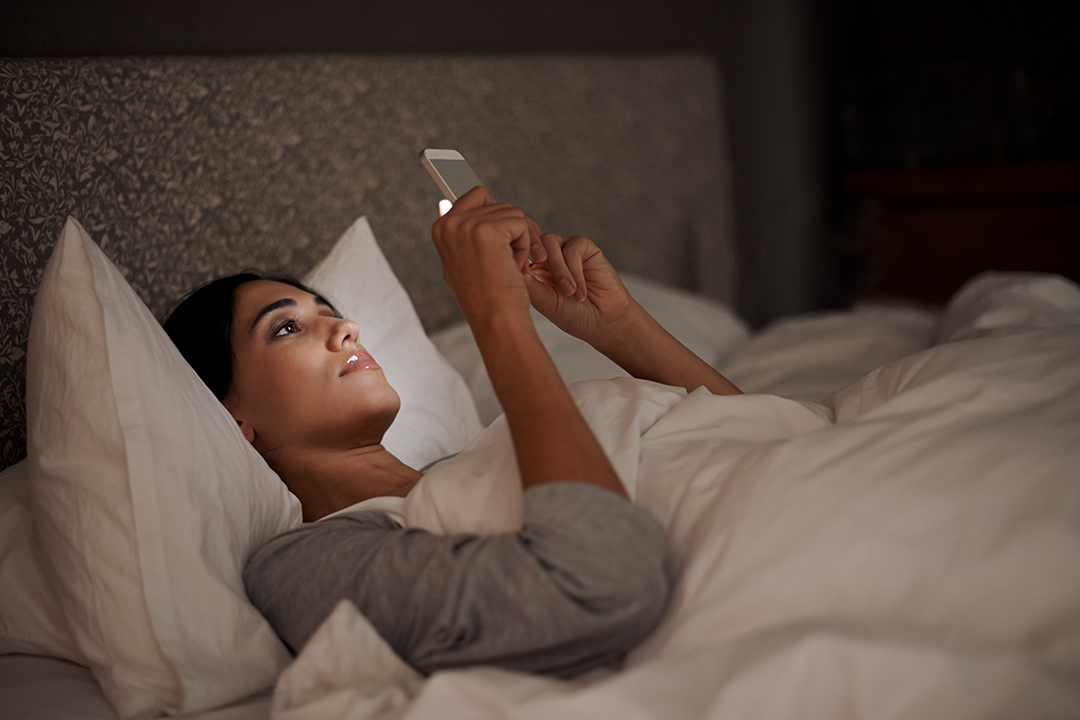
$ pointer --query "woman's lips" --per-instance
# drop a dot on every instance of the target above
(359, 360)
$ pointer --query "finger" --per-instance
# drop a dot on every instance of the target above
(544, 294)
(490, 226)
(561, 276)
(537, 252)
(521, 239)
(469, 221)
(574, 251)
(477, 197)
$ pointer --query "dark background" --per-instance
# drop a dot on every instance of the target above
(816, 92)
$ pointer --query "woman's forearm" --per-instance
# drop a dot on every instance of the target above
(643, 348)
(551, 438)
(576, 288)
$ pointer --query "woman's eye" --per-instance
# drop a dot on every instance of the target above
(288, 328)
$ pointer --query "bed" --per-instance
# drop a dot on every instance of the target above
(886, 526)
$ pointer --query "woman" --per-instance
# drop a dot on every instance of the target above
(578, 586)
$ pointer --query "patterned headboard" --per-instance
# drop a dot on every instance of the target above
(187, 168)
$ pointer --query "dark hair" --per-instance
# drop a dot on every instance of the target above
(201, 327)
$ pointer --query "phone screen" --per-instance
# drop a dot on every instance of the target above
(457, 175)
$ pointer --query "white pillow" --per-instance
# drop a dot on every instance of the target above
(146, 497)
(708, 328)
(30, 617)
(357, 278)
(438, 416)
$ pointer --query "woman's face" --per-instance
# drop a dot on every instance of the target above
(300, 378)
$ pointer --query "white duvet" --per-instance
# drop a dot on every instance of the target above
(910, 548)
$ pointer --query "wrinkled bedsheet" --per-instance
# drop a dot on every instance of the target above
(908, 548)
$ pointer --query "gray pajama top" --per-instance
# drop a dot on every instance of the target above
(579, 585)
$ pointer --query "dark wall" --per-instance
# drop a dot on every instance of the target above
(946, 84)
(229, 26)
(763, 46)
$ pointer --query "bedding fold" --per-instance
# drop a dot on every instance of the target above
(905, 550)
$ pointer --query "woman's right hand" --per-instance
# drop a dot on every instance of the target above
(484, 248)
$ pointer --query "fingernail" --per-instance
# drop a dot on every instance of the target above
(567, 286)
(538, 253)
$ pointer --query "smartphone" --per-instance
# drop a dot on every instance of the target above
(450, 172)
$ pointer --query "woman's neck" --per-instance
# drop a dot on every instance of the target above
(327, 482)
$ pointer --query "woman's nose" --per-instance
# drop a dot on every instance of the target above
(342, 332)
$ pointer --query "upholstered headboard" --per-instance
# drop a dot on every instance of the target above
(186, 168)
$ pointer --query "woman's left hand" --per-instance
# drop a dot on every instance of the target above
(572, 284)
(575, 287)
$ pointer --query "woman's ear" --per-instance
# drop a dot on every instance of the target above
(249, 432)
(245, 427)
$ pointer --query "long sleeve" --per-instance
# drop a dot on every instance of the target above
(578, 586)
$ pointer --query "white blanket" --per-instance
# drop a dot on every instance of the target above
(909, 549)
